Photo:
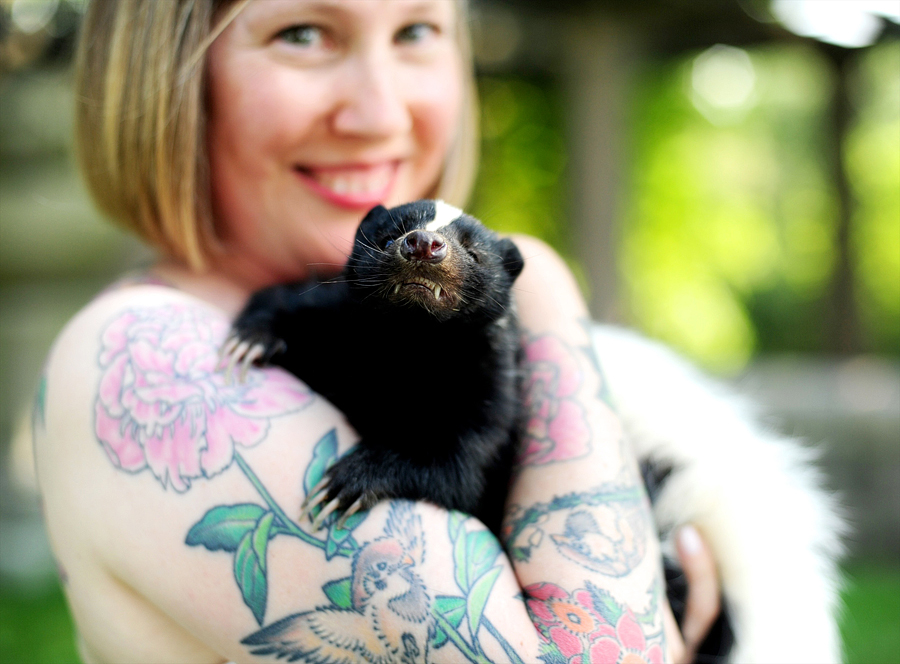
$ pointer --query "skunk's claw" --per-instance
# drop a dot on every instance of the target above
(318, 494)
(227, 348)
(243, 350)
(233, 358)
(325, 513)
(365, 501)
(324, 491)
(256, 351)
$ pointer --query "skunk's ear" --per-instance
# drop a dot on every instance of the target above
(374, 219)
(513, 262)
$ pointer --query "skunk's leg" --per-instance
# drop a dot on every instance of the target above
(254, 336)
(368, 474)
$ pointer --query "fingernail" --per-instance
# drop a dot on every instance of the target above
(689, 540)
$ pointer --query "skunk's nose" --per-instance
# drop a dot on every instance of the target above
(423, 246)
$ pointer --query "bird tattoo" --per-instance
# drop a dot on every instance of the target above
(614, 546)
(390, 619)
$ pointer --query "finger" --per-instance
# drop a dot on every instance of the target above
(701, 606)
(674, 641)
(325, 513)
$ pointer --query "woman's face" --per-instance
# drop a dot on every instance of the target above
(319, 110)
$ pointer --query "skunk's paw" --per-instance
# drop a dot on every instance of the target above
(348, 488)
(245, 347)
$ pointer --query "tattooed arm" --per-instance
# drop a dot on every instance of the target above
(578, 526)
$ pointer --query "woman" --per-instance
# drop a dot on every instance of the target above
(245, 140)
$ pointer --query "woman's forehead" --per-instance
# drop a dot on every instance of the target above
(351, 8)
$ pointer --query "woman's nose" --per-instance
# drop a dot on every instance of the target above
(372, 103)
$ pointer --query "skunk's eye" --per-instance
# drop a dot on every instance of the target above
(388, 243)
(474, 254)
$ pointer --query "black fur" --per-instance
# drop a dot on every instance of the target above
(430, 384)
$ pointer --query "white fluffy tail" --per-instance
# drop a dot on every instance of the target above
(755, 494)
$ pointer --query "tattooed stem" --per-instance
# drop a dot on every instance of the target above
(459, 642)
(291, 527)
(508, 649)
(572, 500)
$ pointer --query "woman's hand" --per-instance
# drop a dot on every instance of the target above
(702, 602)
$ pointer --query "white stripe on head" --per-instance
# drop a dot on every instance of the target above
(444, 215)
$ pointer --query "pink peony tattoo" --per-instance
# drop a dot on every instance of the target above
(557, 428)
(589, 626)
(161, 404)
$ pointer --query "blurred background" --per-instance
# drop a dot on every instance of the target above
(723, 175)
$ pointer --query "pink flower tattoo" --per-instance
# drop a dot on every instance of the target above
(162, 405)
(588, 627)
(557, 428)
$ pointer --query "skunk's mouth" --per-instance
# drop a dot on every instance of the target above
(420, 285)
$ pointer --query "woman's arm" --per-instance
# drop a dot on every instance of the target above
(578, 528)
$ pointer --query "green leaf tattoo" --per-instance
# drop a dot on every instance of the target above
(251, 577)
(223, 527)
(338, 592)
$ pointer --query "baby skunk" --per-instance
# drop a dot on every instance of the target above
(418, 345)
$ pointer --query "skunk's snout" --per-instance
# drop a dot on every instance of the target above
(424, 246)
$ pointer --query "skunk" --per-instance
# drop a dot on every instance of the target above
(417, 344)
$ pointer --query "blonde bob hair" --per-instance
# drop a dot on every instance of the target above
(140, 135)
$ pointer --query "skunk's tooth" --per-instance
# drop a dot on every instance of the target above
(437, 292)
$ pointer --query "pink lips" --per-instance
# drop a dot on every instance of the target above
(355, 186)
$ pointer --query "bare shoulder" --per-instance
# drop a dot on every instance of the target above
(547, 293)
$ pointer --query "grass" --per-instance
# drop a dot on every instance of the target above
(870, 626)
(35, 628)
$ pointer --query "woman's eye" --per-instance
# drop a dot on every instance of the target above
(302, 35)
(415, 33)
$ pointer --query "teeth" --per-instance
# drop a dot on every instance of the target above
(422, 281)
(361, 182)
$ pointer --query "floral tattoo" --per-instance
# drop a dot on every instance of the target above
(557, 428)
(589, 626)
(162, 406)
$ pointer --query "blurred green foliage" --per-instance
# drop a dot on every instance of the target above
(870, 623)
(728, 244)
(873, 162)
(519, 186)
(35, 627)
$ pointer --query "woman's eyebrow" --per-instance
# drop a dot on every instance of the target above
(265, 11)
